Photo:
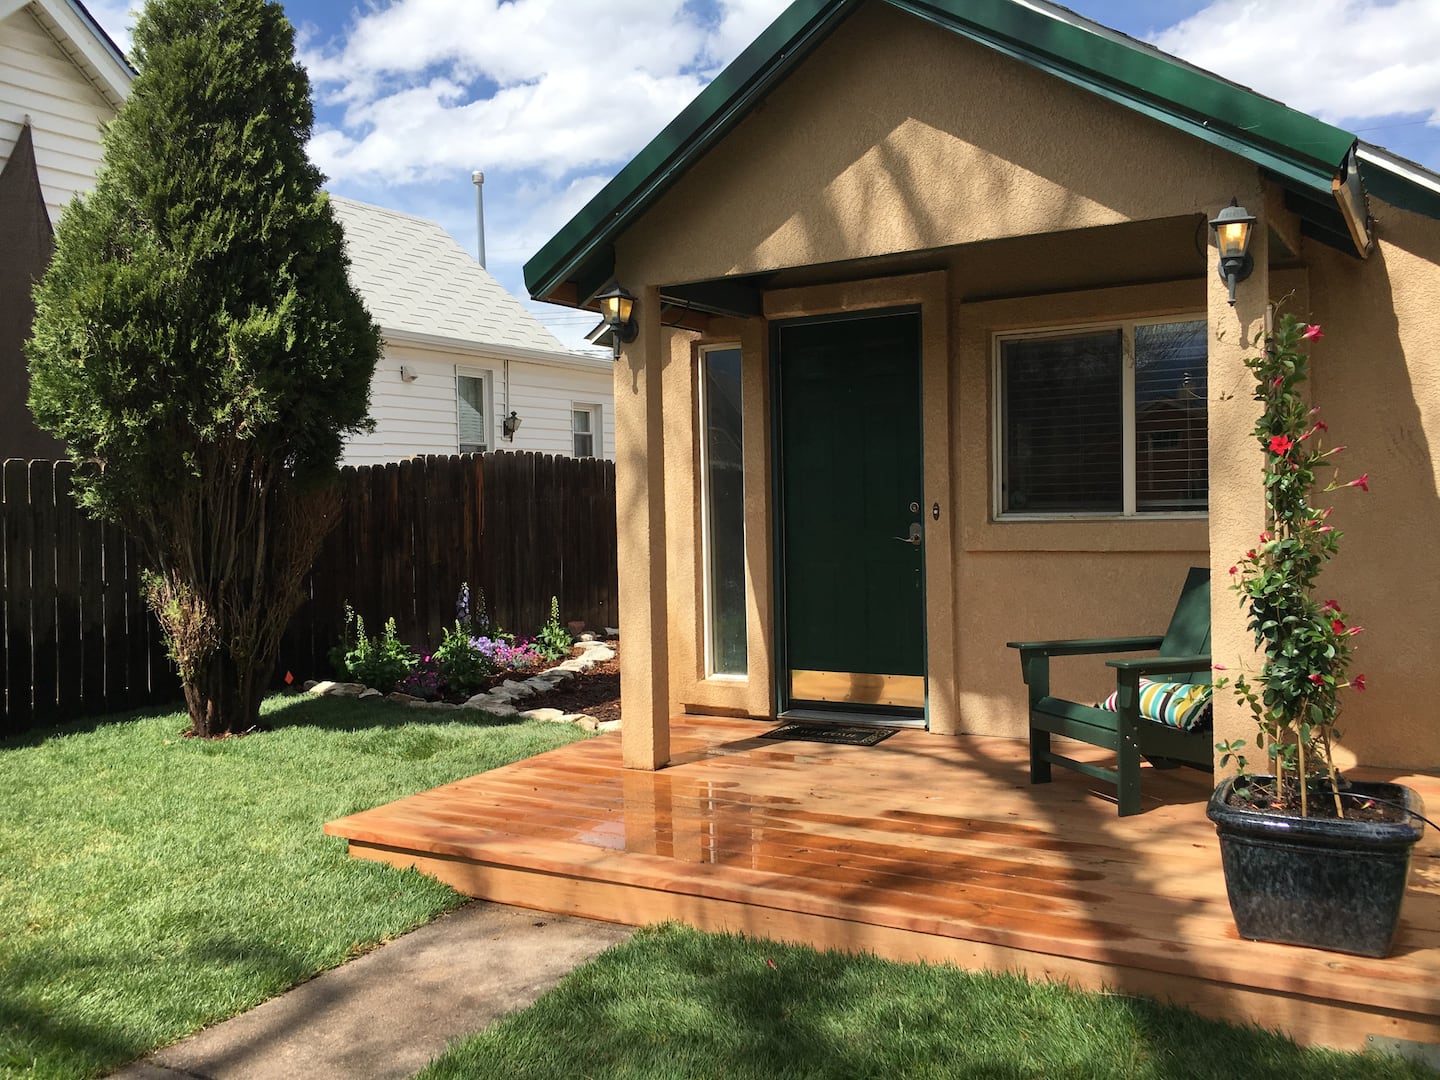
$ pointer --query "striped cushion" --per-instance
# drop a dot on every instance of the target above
(1175, 704)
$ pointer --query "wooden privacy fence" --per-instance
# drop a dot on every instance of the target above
(522, 527)
(79, 640)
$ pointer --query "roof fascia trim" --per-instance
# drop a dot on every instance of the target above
(1399, 182)
(95, 45)
(493, 351)
(1129, 74)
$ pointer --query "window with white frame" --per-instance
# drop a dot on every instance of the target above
(472, 393)
(585, 430)
(1105, 420)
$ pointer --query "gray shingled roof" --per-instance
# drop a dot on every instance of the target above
(415, 278)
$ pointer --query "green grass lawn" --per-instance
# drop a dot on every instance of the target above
(151, 884)
(673, 1002)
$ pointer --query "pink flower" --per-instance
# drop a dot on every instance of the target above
(1358, 682)
(1355, 630)
(1336, 626)
(1250, 554)
(1279, 444)
(1320, 425)
(1362, 482)
(1325, 529)
(1313, 332)
(1264, 538)
(1316, 678)
(1219, 667)
(1330, 605)
(1234, 569)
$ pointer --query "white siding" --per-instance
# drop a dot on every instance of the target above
(410, 417)
(37, 79)
(543, 397)
(419, 417)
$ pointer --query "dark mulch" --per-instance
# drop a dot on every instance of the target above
(595, 692)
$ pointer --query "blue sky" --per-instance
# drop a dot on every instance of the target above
(549, 98)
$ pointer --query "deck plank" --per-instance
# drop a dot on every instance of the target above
(923, 846)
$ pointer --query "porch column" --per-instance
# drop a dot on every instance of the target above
(640, 520)
(1237, 504)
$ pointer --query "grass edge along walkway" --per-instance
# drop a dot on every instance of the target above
(152, 884)
(673, 1002)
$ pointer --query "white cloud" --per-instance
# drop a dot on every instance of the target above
(117, 17)
(557, 85)
(1341, 60)
(741, 22)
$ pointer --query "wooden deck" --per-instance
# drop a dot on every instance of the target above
(923, 847)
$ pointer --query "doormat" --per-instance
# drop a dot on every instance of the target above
(848, 736)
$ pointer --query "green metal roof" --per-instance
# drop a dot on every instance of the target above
(1299, 151)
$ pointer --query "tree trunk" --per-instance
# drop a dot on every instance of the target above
(222, 699)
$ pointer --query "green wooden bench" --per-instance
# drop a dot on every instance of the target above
(1183, 656)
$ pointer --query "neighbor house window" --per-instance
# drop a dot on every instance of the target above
(722, 499)
(1103, 420)
(473, 395)
(584, 429)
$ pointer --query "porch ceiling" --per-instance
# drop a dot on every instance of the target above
(1130, 253)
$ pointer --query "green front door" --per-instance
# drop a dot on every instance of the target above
(851, 550)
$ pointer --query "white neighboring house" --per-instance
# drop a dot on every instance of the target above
(61, 71)
(462, 354)
(61, 78)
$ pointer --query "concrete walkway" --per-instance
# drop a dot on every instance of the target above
(386, 1014)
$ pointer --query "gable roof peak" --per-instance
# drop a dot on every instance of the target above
(1300, 152)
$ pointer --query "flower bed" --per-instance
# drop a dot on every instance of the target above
(473, 656)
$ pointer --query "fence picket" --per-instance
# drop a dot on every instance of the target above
(19, 542)
(69, 596)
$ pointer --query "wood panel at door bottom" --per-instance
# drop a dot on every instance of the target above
(858, 688)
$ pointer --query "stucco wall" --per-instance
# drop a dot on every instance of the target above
(876, 145)
(896, 136)
(1376, 376)
(1035, 204)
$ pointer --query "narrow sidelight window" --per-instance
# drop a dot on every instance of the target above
(722, 494)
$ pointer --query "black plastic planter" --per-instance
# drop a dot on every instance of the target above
(1327, 883)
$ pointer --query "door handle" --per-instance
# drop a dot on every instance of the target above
(914, 539)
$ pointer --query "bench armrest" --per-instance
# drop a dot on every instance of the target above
(1084, 646)
(1160, 665)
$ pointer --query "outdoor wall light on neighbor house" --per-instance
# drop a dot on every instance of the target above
(1232, 228)
(509, 425)
(617, 307)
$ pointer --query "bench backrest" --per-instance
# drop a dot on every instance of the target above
(1189, 632)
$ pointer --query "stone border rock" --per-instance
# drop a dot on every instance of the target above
(500, 700)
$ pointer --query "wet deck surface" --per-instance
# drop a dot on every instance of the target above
(922, 847)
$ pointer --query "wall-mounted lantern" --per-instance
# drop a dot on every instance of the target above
(1232, 228)
(509, 425)
(617, 307)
